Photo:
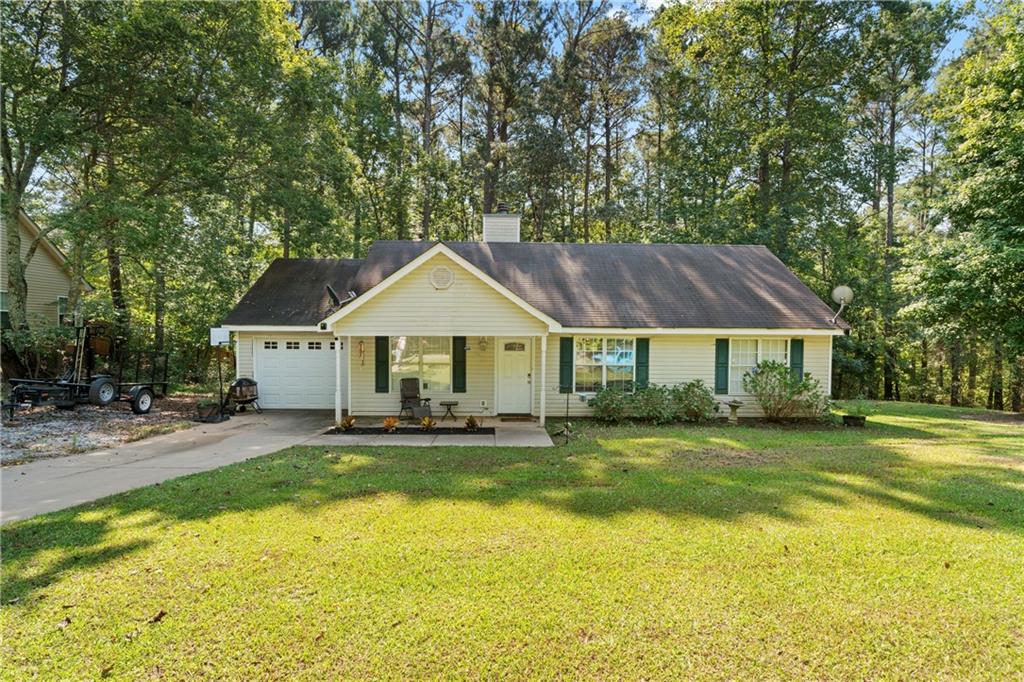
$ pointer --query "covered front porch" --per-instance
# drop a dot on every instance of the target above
(486, 375)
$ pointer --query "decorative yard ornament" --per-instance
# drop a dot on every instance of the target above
(842, 295)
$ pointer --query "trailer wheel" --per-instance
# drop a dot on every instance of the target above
(102, 391)
(142, 401)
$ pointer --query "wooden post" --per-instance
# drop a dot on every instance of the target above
(348, 373)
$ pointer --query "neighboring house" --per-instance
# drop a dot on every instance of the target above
(47, 275)
(522, 328)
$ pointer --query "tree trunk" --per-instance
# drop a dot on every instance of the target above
(889, 368)
(588, 156)
(122, 319)
(286, 237)
(926, 396)
(996, 381)
(490, 172)
(159, 305)
(972, 370)
(1016, 383)
(955, 371)
(17, 285)
(607, 173)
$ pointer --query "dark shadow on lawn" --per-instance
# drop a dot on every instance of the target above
(715, 472)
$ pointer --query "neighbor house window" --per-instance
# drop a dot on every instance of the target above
(602, 362)
(62, 309)
(427, 358)
(5, 321)
(745, 354)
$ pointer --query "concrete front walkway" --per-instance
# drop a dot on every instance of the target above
(507, 434)
(51, 484)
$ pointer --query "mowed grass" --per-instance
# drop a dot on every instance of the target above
(896, 551)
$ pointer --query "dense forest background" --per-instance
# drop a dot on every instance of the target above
(173, 149)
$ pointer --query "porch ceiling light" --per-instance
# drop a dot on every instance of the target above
(483, 343)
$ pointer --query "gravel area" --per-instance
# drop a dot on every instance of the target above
(49, 432)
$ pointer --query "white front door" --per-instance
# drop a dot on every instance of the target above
(514, 363)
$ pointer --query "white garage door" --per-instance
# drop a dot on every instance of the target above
(297, 373)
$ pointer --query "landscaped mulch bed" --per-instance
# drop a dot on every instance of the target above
(49, 432)
(410, 431)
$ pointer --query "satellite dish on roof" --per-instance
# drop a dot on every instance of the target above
(842, 295)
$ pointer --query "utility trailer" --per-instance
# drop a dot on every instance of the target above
(135, 377)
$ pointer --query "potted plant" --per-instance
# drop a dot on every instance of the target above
(207, 409)
(390, 424)
(857, 412)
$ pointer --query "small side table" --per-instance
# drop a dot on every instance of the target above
(448, 405)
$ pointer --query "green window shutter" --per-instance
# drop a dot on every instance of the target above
(565, 364)
(458, 364)
(721, 366)
(643, 362)
(796, 358)
(381, 351)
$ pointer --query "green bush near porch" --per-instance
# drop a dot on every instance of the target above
(709, 552)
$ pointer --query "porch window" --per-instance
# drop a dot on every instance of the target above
(745, 354)
(427, 358)
(607, 362)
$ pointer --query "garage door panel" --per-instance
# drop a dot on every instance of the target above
(296, 373)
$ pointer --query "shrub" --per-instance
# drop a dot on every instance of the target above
(693, 401)
(427, 424)
(783, 396)
(347, 423)
(390, 424)
(472, 423)
(653, 404)
(610, 405)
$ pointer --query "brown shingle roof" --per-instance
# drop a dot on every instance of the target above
(621, 285)
(293, 292)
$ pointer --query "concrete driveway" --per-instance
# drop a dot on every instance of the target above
(50, 484)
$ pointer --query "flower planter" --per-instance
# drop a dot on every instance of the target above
(207, 410)
(854, 420)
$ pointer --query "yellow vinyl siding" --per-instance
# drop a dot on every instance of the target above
(677, 359)
(479, 382)
(45, 276)
(413, 306)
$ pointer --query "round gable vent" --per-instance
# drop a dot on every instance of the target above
(442, 277)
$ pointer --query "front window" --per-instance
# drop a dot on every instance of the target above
(427, 358)
(604, 362)
(745, 354)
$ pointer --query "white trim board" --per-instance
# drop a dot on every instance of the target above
(397, 275)
(272, 328)
(696, 331)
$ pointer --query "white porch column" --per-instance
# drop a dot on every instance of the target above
(543, 377)
(337, 380)
(348, 373)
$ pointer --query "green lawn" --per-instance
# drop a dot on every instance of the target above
(896, 551)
